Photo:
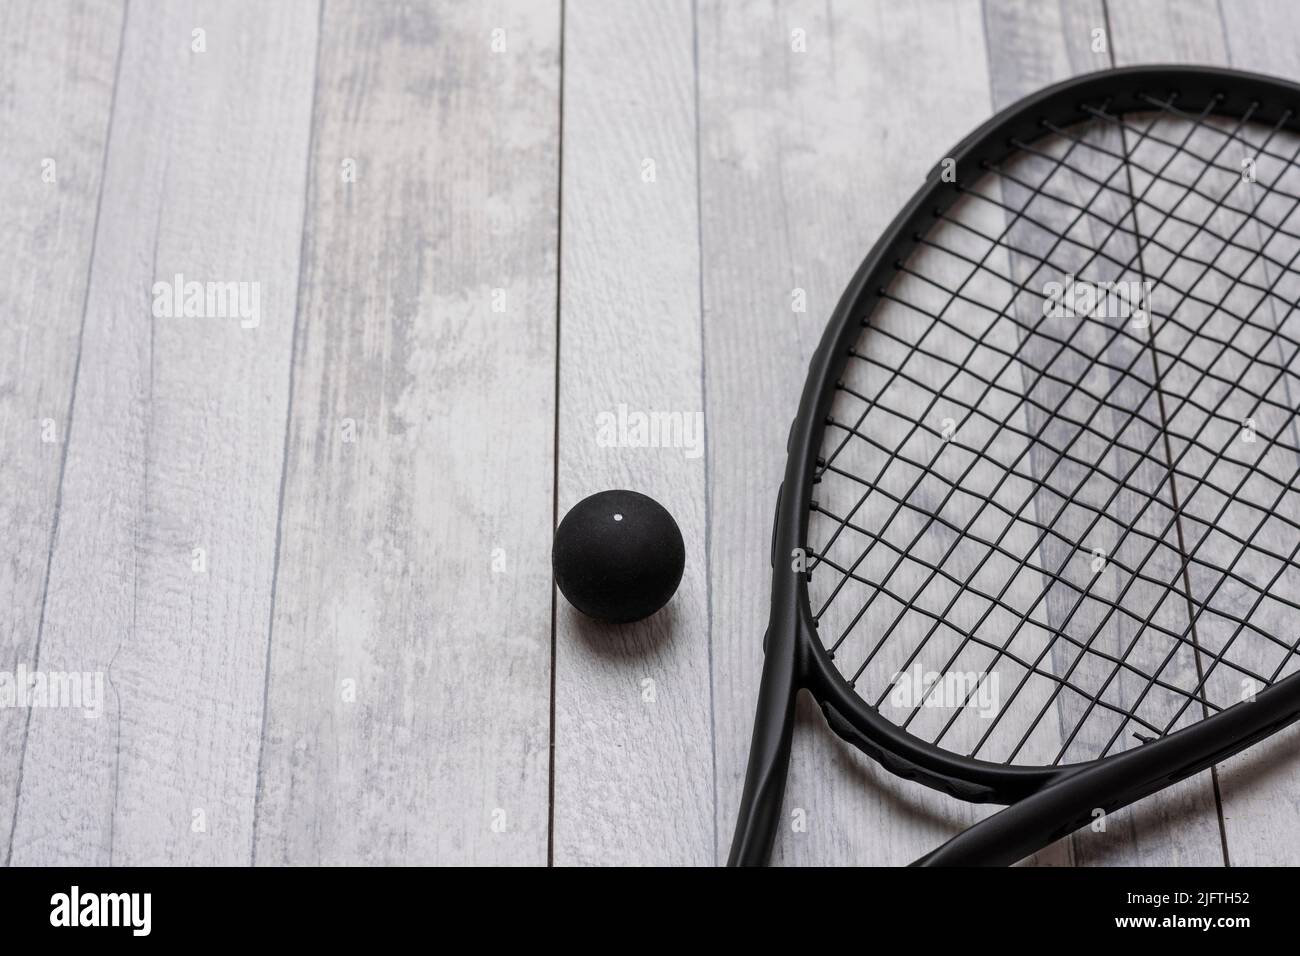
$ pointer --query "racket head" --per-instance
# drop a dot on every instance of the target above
(797, 629)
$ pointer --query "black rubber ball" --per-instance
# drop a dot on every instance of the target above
(618, 556)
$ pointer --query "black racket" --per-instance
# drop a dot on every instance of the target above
(1038, 531)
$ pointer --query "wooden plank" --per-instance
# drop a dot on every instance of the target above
(633, 755)
(1260, 808)
(1166, 31)
(58, 64)
(893, 618)
(1261, 817)
(802, 165)
(175, 444)
(407, 705)
(1260, 814)
(1032, 45)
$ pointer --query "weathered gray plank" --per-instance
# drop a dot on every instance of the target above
(57, 68)
(175, 444)
(441, 617)
(633, 755)
(1166, 31)
(802, 164)
(1261, 809)
(1032, 45)
(1260, 813)
(407, 706)
(903, 403)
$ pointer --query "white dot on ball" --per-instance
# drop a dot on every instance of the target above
(618, 517)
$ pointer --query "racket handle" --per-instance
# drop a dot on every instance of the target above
(769, 757)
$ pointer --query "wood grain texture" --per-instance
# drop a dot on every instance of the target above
(1261, 815)
(1032, 45)
(633, 754)
(1261, 787)
(1166, 31)
(175, 442)
(362, 672)
(58, 63)
(407, 703)
(805, 158)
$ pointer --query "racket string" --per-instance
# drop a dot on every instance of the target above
(1027, 392)
(1016, 215)
(1057, 165)
(1195, 608)
(1038, 483)
(1113, 674)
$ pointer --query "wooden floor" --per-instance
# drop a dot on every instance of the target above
(311, 555)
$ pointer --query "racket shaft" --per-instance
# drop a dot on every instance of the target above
(769, 759)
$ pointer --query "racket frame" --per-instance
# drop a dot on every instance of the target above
(1046, 802)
